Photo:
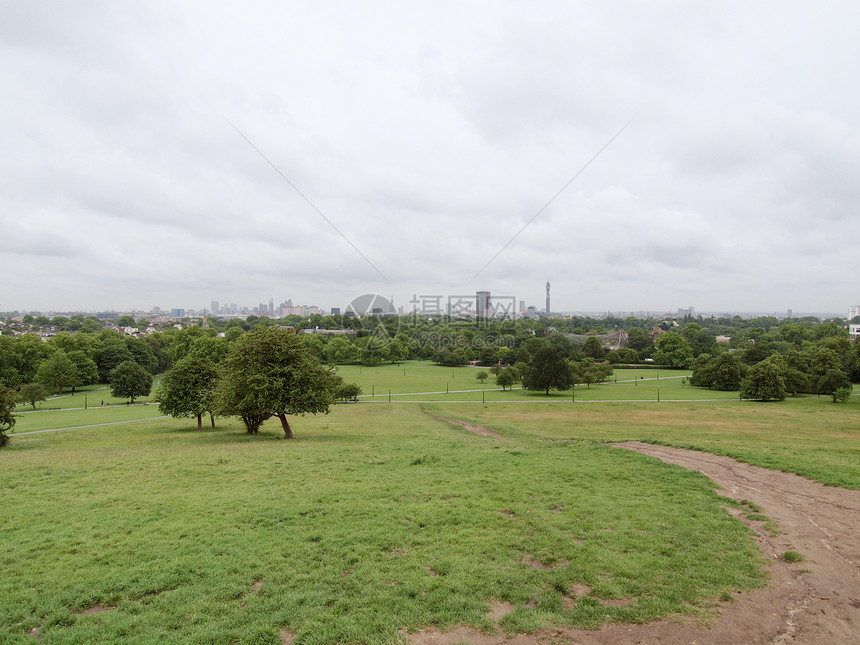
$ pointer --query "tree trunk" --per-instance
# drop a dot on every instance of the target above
(287, 430)
(199, 421)
(212, 418)
(253, 422)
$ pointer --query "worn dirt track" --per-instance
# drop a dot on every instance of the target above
(484, 431)
(815, 602)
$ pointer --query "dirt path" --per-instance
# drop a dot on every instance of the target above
(484, 431)
(814, 602)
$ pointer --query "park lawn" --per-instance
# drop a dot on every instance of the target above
(598, 392)
(374, 519)
(89, 396)
(807, 435)
(425, 381)
(410, 376)
(75, 418)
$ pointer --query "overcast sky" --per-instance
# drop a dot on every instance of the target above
(429, 134)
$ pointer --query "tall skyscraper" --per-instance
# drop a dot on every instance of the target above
(547, 298)
(215, 308)
(483, 305)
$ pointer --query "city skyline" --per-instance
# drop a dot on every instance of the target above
(470, 304)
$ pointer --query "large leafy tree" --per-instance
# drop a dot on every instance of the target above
(57, 371)
(701, 342)
(88, 371)
(507, 377)
(110, 356)
(8, 362)
(30, 352)
(188, 389)
(589, 371)
(340, 350)
(269, 373)
(637, 339)
(129, 380)
(593, 348)
(142, 353)
(548, 368)
(764, 382)
(831, 381)
(7, 419)
(703, 371)
(32, 393)
(728, 372)
(673, 350)
(824, 362)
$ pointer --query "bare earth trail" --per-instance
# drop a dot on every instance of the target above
(816, 601)
(484, 431)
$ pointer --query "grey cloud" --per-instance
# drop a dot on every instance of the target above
(429, 135)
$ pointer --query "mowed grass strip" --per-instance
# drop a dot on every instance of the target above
(80, 418)
(374, 519)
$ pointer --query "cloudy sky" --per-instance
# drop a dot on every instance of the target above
(428, 134)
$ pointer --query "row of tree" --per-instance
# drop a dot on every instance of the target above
(817, 370)
(265, 373)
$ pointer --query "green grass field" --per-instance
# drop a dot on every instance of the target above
(424, 381)
(379, 517)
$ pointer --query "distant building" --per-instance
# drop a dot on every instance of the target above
(177, 313)
(335, 311)
(483, 304)
(853, 331)
(215, 307)
(853, 312)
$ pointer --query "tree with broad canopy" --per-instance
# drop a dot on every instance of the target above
(129, 380)
(269, 373)
(57, 371)
(764, 382)
(548, 368)
(188, 389)
(32, 393)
